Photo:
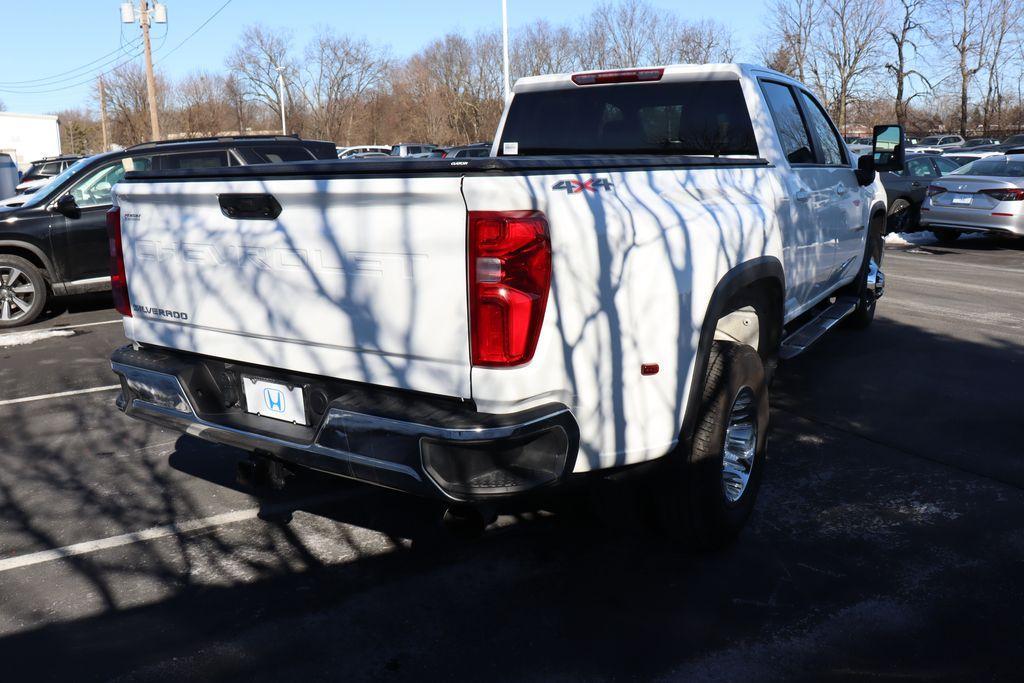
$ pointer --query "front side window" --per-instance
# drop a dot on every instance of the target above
(282, 153)
(946, 165)
(828, 138)
(698, 117)
(796, 141)
(95, 189)
(919, 167)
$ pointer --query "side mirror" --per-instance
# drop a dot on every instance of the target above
(865, 170)
(68, 207)
(888, 148)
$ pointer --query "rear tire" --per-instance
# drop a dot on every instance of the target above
(22, 291)
(708, 492)
(946, 236)
(900, 217)
(864, 315)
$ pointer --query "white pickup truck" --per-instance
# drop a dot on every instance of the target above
(613, 286)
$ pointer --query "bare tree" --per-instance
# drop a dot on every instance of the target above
(1004, 37)
(128, 103)
(848, 47)
(962, 28)
(540, 48)
(903, 38)
(254, 63)
(793, 26)
(203, 108)
(337, 76)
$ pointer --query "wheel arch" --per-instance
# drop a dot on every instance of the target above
(763, 274)
(31, 253)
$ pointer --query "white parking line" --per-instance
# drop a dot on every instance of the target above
(126, 539)
(61, 394)
(899, 277)
(154, 533)
(65, 327)
(946, 264)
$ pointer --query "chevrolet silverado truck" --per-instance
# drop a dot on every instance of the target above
(613, 286)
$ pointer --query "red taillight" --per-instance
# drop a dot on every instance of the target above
(621, 76)
(1009, 194)
(118, 279)
(509, 278)
(935, 189)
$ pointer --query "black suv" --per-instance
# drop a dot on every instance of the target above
(56, 241)
(48, 167)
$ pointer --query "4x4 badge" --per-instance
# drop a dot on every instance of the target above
(577, 186)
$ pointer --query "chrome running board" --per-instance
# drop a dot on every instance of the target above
(812, 331)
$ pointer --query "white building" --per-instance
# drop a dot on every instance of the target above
(27, 137)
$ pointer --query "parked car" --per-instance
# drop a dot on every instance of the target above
(49, 167)
(906, 189)
(934, 144)
(986, 195)
(858, 145)
(474, 151)
(370, 155)
(1009, 143)
(411, 149)
(8, 175)
(432, 354)
(56, 238)
(967, 157)
(973, 143)
(346, 152)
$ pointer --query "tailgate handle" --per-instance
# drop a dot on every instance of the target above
(261, 207)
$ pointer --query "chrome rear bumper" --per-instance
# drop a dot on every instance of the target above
(410, 443)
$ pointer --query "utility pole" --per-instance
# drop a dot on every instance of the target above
(504, 42)
(280, 96)
(146, 18)
(103, 114)
(154, 121)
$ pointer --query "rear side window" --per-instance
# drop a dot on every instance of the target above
(707, 117)
(828, 138)
(52, 168)
(282, 153)
(796, 141)
(208, 159)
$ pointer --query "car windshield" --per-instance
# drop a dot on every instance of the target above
(44, 194)
(1001, 167)
(929, 141)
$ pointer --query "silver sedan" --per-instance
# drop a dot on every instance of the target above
(986, 195)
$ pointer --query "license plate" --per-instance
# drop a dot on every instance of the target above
(961, 199)
(271, 399)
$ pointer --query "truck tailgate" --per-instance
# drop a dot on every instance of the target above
(357, 278)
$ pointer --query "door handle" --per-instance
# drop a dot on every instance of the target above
(915, 184)
(802, 195)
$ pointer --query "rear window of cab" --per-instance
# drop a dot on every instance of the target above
(695, 117)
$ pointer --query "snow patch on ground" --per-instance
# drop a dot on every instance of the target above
(31, 337)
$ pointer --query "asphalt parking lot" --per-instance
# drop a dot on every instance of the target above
(887, 541)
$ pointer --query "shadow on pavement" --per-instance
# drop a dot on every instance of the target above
(860, 561)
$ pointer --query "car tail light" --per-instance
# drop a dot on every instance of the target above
(1009, 194)
(935, 189)
(118, 279)
(509, 280)
(621, 76)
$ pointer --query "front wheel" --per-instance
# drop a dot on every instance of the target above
(900, 217)
(709, 490)
(22, 291)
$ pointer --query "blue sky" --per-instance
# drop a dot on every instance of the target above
(54, 37)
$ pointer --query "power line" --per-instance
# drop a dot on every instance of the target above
(198, 29)
(40, 81)
(88, 79)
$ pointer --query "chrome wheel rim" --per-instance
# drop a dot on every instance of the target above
(17, 294)
(740, 445)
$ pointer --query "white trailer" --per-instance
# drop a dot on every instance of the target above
(27, 137)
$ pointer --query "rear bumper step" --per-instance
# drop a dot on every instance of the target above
(411, 443)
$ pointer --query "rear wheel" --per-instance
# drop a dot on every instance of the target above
(946, 236)
(900, 217)
(709, 490)
(22, 291)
